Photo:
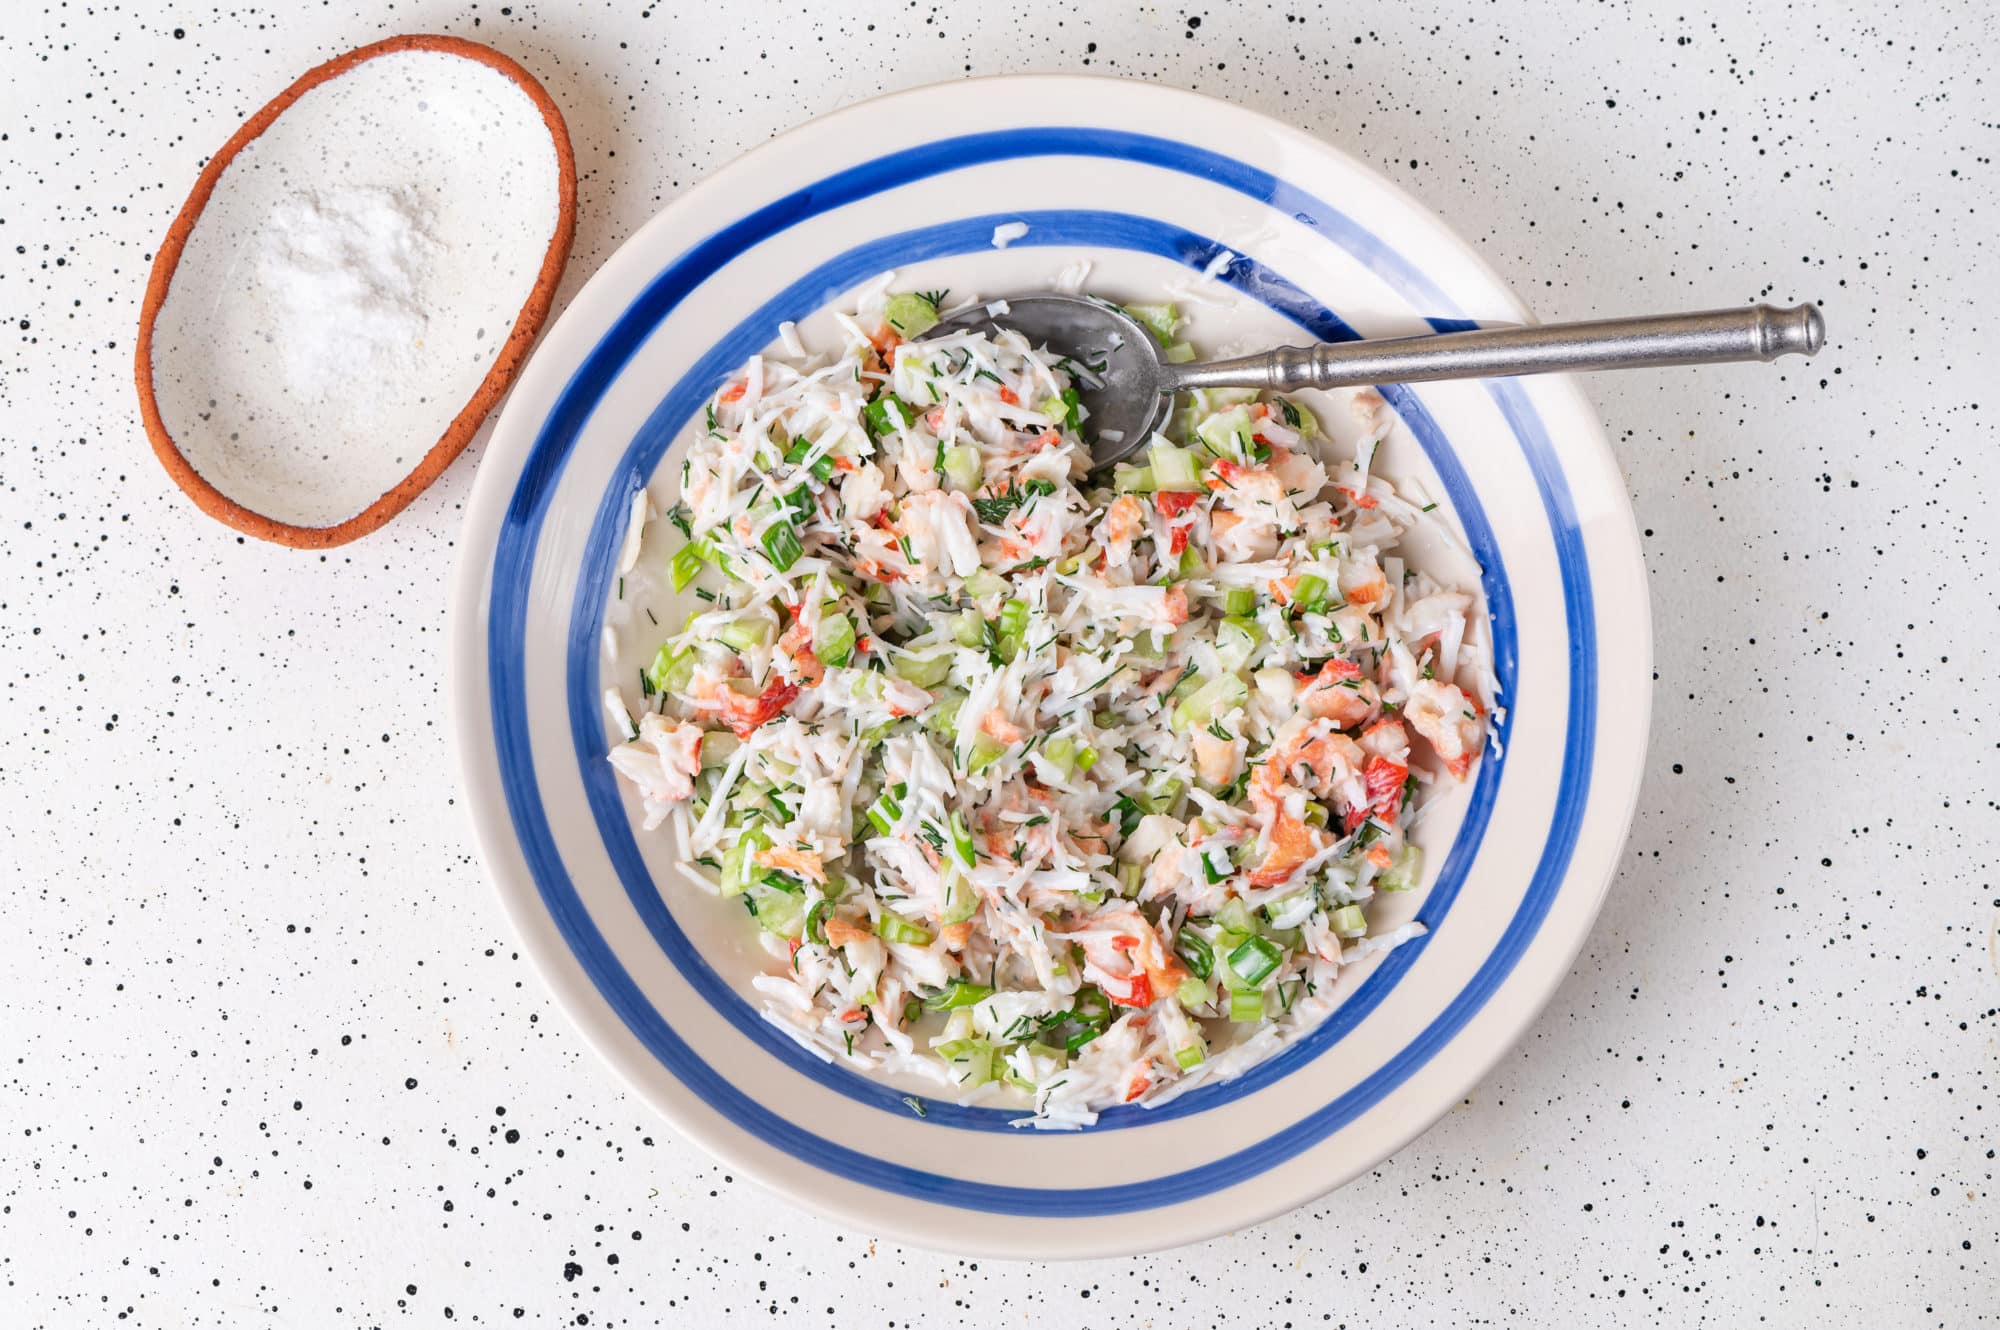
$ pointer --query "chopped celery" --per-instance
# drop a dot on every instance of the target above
(717, 747)
(1316, 814)
(986, 750)
(1060, 753)
(1013, 618)
(1065, 407)
(1309, 593)
(1193, 994)
(973, 1059)
(670, 670)
(1246, 1008)
(834, 642)
(969, 630)
(1234, 916)
(1235, 642)
(1174, 469)
(1227, 433)
(739, 861)
(1190, 1056)
(777, 910)
(1404, 872)
(963, 467)
(961, 902)
(982, 583)
(1180, 353)
(1349, 922)
(941, 719)
(1255, 959)
(894, 927)
(1086, 758)
(1240, 602)
(1131, 877)
(742, 634)
(1132, 479)
(923, 671)
(910, 313)
(1160, 320)
(1215, 697)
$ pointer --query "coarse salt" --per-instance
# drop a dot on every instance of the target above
(345, 271)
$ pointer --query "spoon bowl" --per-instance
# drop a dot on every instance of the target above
(1125, 393)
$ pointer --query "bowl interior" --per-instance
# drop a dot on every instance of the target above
(641, 606)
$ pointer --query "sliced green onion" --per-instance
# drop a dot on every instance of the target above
(887, 414)
(1193, 949)
(1131, 877)
(958, 994)
(886, 811)
(782, 544)
(686, 565)
(816, 922)
(1086, 758)
(961, 839)
(1255, 959)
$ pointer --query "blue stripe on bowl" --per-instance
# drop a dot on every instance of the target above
(682, 403)
(513, 562)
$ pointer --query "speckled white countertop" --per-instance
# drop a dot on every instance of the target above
(268, 1055)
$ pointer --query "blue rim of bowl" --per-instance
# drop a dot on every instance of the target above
(513, 559)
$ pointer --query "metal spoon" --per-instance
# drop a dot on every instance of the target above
(1137, 383)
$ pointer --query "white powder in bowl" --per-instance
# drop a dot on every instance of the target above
(345, 272)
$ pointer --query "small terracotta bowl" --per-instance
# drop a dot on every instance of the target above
(323, 459)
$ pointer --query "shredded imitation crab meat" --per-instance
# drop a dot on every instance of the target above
(1058, 792)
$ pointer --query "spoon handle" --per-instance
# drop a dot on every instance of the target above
(1755, 332)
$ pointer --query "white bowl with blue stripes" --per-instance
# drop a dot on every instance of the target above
(1151, 185)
